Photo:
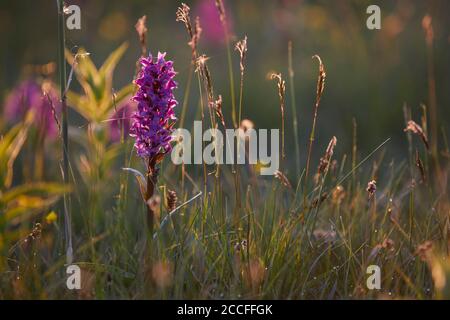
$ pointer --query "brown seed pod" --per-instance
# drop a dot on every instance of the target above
(371, 188)
(172, 200)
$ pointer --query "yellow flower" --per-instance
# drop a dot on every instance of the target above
(51, 217)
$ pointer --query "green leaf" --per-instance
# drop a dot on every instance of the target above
(84, 65)
(111, 62)
(86, 73)
(36, 189)
(10, 146)
(140, 178)
(106, 74)
(24, 201)
(97, 103)
(82, 105)
(25, 206)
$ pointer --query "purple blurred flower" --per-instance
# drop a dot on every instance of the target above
(30, 95)
(121, 120)
(209, 19)
(153, 120)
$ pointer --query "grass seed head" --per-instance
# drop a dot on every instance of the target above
(183, 16)
(218, 109)
(424, 250)
(281, 84)
(320, 79)
(205, 75)
(241, 47)
(283, 179)
(221, 11)
(319, 200)
(416, 129)
(371, 188)
(325, 160)
(282, 95)
(141, 29)
(194, 31)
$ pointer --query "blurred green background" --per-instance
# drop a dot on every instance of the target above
(370, 74)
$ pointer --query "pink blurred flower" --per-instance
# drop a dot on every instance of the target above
(30, 95)
(213, 31)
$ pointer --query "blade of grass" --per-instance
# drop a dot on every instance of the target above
(62, 84)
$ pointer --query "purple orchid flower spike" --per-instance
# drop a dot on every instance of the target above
(153, 121)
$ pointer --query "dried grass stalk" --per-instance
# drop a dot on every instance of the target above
(241, 47)
(416, 129)
(54, 114)
(282, 96)
(221, 10)
(194, 31)
(371, 188)
(419, 165)
(319, 92)
(205, 75)
(320, 80)
(283, 179)
(183, 16)
(141, 29)
(172, 200)
(325, 160)
(218, 109)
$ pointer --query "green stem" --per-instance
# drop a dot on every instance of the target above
(62, 84)
(311, 141)
(152, 177)
(293, 105)
(231, 76)
(240, 97)
(186, 95)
